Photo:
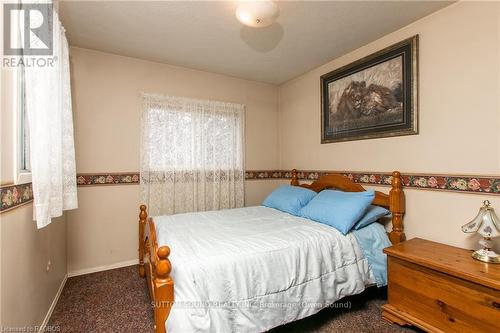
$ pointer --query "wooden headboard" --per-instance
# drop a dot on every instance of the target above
(394, 201)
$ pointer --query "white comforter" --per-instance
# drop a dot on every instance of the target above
(252, 269)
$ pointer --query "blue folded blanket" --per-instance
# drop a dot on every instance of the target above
(373, 239)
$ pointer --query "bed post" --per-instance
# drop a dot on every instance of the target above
(295, 178)
(143, 215)
(163, 289)
(397, 208)
(156, 267)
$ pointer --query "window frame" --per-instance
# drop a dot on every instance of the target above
(22, 175)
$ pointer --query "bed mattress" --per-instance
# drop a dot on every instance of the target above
(255, 268)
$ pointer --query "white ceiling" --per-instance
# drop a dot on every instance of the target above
(206, 35)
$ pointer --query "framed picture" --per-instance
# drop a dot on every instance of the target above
(373, 97)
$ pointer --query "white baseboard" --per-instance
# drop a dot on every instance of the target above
(103, 268)
(53, 305)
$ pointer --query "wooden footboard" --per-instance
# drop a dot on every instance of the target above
(155, 266)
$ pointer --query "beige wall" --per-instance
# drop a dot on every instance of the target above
(6, 128)
(27, 288)
(459, 118)
(107, 109)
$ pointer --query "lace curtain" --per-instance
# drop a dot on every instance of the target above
(191, 155)
(50, 120)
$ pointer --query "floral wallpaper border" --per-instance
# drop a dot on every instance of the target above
(469, 184)
(122, 178)
(476, 184)
(13, 196)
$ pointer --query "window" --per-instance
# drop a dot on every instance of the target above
(21, 138)
(196, 141)
(24, 133)
(192, 154)
(22, 162)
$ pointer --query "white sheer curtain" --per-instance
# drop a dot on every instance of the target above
(191, 155)
(50, 119)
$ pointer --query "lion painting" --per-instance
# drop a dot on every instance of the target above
(373, 97)
(357, 100)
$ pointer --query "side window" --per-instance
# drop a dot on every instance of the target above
(22, 158)
(24, 164)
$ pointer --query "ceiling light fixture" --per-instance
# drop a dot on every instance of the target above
(257, 14)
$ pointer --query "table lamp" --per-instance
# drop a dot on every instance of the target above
(487, 224)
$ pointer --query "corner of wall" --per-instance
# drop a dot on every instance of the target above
(279, 130)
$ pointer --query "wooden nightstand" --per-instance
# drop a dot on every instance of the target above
(440, 288)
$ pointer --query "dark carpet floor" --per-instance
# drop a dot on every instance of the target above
(117, 301)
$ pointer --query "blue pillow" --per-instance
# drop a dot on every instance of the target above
(373, 213)
(340, 210)
(289, 199)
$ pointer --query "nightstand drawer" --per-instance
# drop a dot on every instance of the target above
(441, 301)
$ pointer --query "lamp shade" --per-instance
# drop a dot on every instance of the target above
(486, 223)
(257, 14)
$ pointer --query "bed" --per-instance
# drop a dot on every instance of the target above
(254, 268)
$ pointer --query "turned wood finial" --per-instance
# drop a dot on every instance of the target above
(163, 267)
(143, 215)
(163, 252)
(396, 179)
(295, 178)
